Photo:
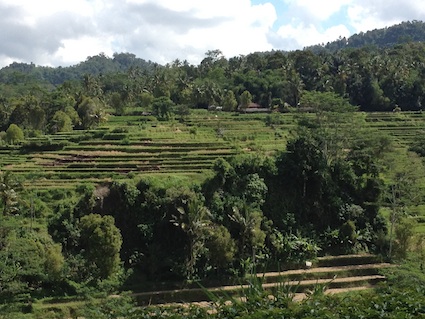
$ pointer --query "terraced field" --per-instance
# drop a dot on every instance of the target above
(134, 146)
(334, 274)
(404, 127)
(330, 275)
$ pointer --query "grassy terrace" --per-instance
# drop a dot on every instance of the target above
(404, 127)
(135, 145)
(142, 146)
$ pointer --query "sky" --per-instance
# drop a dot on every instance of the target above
(66, 32)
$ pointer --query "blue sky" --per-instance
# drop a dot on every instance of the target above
(66, 32)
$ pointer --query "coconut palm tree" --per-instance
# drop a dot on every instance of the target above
(8, 195)
(193, 220)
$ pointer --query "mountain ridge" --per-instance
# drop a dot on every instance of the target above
(407, 31)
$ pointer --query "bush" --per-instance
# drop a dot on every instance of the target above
(120, 130)
(404, 232)
(14, 134)
(115, 136)
(40, 146)
(221, 247)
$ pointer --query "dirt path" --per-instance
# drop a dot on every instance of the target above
(335, 270)
(325, 270)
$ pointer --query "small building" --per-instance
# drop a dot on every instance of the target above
(215, 108)
(254, 108)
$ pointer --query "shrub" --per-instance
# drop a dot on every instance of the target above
(404, 232)
(14, 134)
(221, 246)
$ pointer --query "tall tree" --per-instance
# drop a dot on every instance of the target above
(404, 189)
(249, 235)
(193, 220)
(9, 187)
(245, 100)
(91, 112)
(229, 101)
(163, 107)
(101, 244)
(91, 86)
(14, 134)
(61, 122)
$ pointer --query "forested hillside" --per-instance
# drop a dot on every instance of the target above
(95, 65)
(371, 78)
(381, 38)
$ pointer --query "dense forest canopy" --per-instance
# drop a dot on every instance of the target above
(381, 38)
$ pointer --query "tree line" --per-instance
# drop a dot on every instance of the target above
(369, 78)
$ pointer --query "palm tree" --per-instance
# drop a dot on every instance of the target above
(91, 86)
(193, 220)
(248, 221)
(8, 194)
(296, 86)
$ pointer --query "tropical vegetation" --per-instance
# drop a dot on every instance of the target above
(119, 174)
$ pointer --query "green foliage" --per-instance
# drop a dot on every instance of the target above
(183, 111)
(28, 259)
(347, 236)
(117, 103)
(113, 307)
(61, 122)
(229, 101)
(146, 100)
(193, 220)
(247, 225)
(91, 112)
(403, 239)
(100, 242)
(373, 78)
(162, 107)
(245, 99)
(406, 31)
(324, 102)
(221, 247)
(206, 92)
(14, 134)
(9, 187)
(403, 190)
(293, 249)
(322, 194)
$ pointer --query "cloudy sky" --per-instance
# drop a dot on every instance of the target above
(65, 32)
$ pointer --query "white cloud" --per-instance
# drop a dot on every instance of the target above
(158, 30)
(64, 32)
(246, 31)
(314, 10)
(234, 27)
(367, 15)
(76, 50)
(309, 22)
(35, 10)
(293, 38)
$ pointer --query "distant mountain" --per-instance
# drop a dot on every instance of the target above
(99, 64)
(413, 31)
(17, 73)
